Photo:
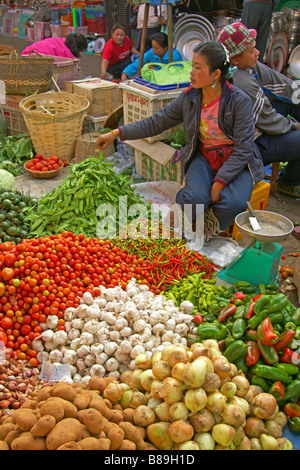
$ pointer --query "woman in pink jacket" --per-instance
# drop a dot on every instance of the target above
(69, 47)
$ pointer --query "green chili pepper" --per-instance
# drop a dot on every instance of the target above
(268, 353)
(272, 373)
(277, 302)
(290, 369)
(261, 304)
(238, 328)
(228, 341)
(272, 287)
(241, 364)
(208, 331)
(235, 350)
(292, 392)
(295, 316)
(239, 312)
(276, 317)
(294, 424)
(255, 320)
(261, 382)
(239, 284)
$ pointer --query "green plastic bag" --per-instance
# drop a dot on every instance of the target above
(167, 74)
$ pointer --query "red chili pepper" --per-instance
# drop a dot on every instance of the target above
(252, 354)
(266, 333)
(290, 357)
(277, 389)
(226, 312)
(294, 254)
(285, 338)
(292, 410)
(256, 297)
(249, 310)
(237, 296)
(198, 319)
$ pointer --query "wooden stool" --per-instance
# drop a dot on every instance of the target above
(273, 177)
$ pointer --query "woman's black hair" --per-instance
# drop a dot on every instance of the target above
(161, 39)
(215, 57)
(76, 43)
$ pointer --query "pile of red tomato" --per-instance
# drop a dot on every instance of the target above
(40, 163)
(44, 276)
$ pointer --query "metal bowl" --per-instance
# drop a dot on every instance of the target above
(294, 62)
(273, 226)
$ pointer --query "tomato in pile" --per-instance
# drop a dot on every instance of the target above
(40, 163)
(44, 276)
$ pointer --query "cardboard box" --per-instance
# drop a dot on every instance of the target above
(157, 161)
(86, 146)
(104, 95)
(13, 116)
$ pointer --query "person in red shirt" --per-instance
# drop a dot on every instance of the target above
(117, 52)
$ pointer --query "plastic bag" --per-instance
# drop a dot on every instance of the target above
(167, 74)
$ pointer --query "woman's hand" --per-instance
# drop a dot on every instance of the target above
(104, 140)
(124, 77)
(215, 191)
(103, 75)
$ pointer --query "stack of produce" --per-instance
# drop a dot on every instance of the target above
(41, 278)
(105, 334)
(259, 333)
(181, 399)
(73, 204)
(13, 224)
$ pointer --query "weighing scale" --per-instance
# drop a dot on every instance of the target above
(259, 261)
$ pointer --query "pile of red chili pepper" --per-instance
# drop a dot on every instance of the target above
(168, 259)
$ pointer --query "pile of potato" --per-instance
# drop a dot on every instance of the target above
(179, 399)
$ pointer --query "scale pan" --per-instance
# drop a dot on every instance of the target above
(274, 226)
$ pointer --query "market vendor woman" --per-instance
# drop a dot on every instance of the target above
(220, 162)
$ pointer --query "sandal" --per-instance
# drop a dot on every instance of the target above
(289, 190)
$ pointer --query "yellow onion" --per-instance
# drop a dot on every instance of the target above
(268, 442)
(174, 354)
(155, 388)
(156, 357)
(216, 402)
(125, 377)
(194, 373)
(125, 398)
(161, 369)
(239, 435)
(222, 367)
(158, 435)
(188, 445)
(284, 444)
(136, 399)
(263, 405)
(228, 389)
(181, 431)
(209, 364)
(211, 343)
(143, 361)
(162, 411)
(223, 434)
(113, 391)
(212, 382)
(244, 445)
(281, 419)
(203, 421)
(178, 371)
(233, 415)
(143, 416)
(242, 403)
(242, 385)
(254, 427)
(171, 390)
(204, 440)
(146, 379)
(273, 428)
(255, 444)
(135, 383)
(178, 410)
(195, 399)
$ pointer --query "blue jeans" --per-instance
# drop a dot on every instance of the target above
(283, 147)
(197, 190)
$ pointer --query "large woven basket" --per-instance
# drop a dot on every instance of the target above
(25, 75)
(54, 121)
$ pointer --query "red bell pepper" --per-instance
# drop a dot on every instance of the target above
(237, 296)
(290, 357)
(292, 410)
(249, 310)
(277, 389)
(256, 297)
(227, 312)
(285, 338)
(252, 354)
(266, 333)
(198, 319)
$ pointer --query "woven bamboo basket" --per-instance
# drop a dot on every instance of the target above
(25, 75)
(54, 121)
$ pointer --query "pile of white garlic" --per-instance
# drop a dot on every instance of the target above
(105, 334)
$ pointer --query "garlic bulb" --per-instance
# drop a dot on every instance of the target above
(111, 364)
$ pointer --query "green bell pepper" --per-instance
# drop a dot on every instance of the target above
(272, 373)
(296, 316)
(237, 349)
(290, 369)
(292, 392)
(238, 328)
(268, 353)
(261, 382)
(294, 424)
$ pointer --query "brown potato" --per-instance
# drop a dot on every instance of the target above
(104, 443)
(4, 445)
(25, 419)
(64, 390)
(66, 430)
(28, 442)
(132, 434)
(44, 393)
(72, 445)
(70, 410)
(115, 434)
(127, 445)
(4, 430)
(54, 408)
(43, 426)
(89, 443)
(92, 419)
(99, 404)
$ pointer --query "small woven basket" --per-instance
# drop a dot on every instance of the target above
(25, 75)
(54, 121)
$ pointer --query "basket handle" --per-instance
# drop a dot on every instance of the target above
(54, 81)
